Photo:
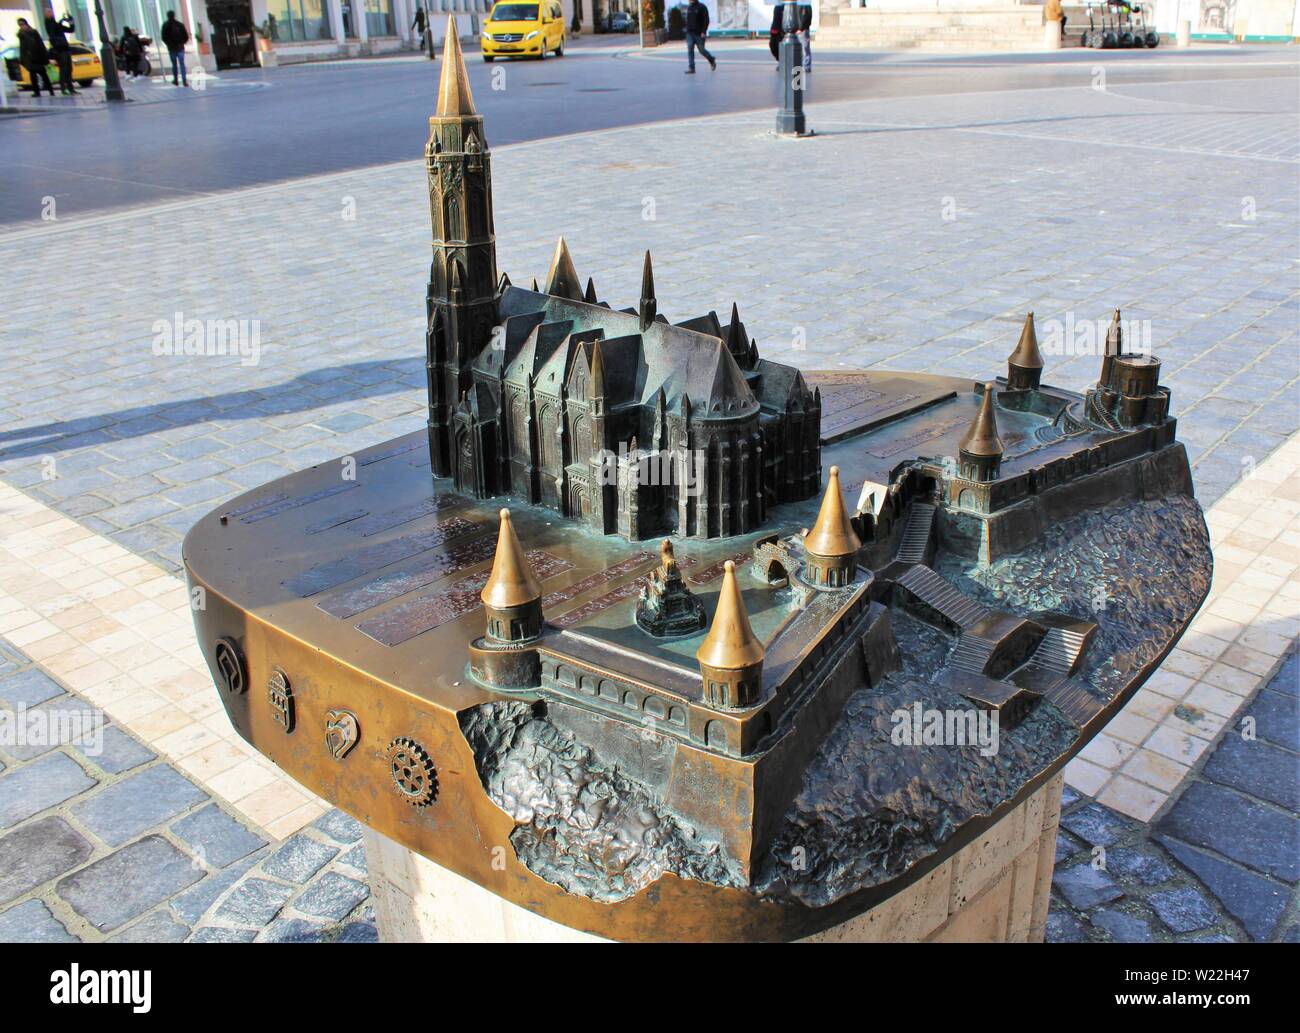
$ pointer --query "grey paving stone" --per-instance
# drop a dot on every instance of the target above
(128, 882)
(37, 853)
(119, 752)
(1123, 928)
(1069, 797)
(1287, 678)
(1066, 846)
(194, 903)
(1182, 910)
(254, 902)
(333, 896)
(159, 927)
(1097, 825)
(217, 837)
(339, 826)
(1138, 865)
(356, 858)
(30, 789)
(1277, 718)
(1063, 927)
(1085, 887)
(298, 859)
(1254, 901)
(359, 932)
(216, 934)
(1258, 768)
(33, 922)
(1254, 834)
(28, 688)
(293, 930)
(138, 803)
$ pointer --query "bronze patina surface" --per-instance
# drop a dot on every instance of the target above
(528, 695)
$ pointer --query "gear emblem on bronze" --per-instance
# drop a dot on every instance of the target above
(413, 772)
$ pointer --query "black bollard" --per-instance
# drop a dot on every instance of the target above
(790, 118)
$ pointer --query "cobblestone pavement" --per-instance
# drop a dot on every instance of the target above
(1223, 862)
(950, 217)
(99, 428)
(100, 839)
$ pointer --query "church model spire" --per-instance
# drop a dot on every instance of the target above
(832, 545)
(731, 656)
(461, 300)
(980, 450)
(1025, 364)
(649, 307)
(562, 280)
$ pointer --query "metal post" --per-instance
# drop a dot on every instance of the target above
(112, 84)
(790, 119)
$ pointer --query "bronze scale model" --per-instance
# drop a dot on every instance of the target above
(643, 607)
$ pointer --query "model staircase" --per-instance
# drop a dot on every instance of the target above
(1100, 414)
(1059, 651)
(916, 533)
(973, 653)
(942, 596)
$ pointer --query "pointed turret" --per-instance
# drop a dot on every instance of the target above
(454, 97)
(589, 296)
(649, 308)
(562, 280)
(737, 341)
(831, 547)
(597, 370)
(1114, 346)
(731, 656)
(981, 448)
(535, 288)
(1025, 364)
(503, 283)
(512, 598)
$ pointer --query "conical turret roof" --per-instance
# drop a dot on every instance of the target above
(731, 643)
(1027, 355)
(832, 535)
(562, 280)
(511, 582)
(454, 97)
(982, 437)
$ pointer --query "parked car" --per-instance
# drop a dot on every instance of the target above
(86, 67)
(620, 21)
(515, 29)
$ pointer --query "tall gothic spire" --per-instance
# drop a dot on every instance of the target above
(454, 97)
(981, 439)
(649, 307)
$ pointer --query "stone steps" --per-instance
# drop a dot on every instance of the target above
(916, 533)
(941, 595)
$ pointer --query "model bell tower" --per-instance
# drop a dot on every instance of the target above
(461, 301)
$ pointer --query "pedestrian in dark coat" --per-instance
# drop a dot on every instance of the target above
(33, 56)
(697, 28)
(174, 36)
(57, 29)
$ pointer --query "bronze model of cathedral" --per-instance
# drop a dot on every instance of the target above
(639, 606)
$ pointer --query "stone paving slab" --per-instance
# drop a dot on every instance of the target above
(103, 840)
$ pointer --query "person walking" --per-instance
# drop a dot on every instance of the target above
(418, 24)
(174, 36)
(33, 56)
(697, 28)
(57, 30)
(131, 50)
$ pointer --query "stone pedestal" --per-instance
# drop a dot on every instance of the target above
(1184, 37)
(1052, 35)
(993, 890)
